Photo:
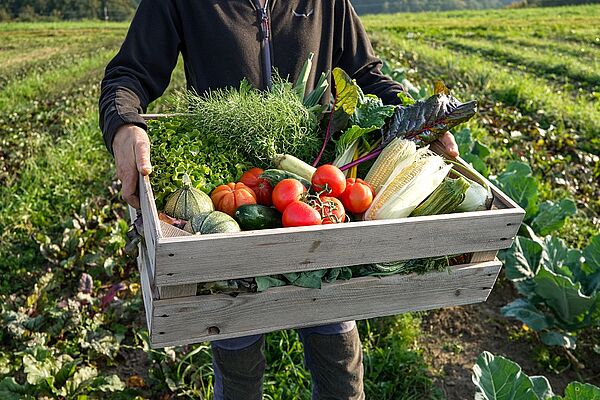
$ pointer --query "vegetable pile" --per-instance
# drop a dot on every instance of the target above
(228, 136)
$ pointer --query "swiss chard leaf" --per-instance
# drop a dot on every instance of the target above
(426, 120)
(551, 216)
(371, 112)
(347, 97)
(501, 379)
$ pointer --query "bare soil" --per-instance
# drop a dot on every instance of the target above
(454, 338)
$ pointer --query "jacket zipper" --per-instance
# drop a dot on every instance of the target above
(264, 24)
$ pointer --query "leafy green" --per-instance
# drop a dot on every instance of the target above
(426, 120)
(518, 183)
(551, 216)
(472, 151)
(523, 261)
(11, 390)
(370, 115)
(581, 391)
(178, 147)
(527, 313)
(559, 285)
(371, 112)
(347, 97)
(498, 378)
(554, 338)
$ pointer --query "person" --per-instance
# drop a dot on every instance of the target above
(222, 42)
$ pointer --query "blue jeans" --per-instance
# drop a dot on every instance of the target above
(332, 354)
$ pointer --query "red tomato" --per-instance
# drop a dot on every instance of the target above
(227, 198)
(298, 213)
(285, 192)
(260, 186)
(331, 177)
(358, 196)
(333, 211)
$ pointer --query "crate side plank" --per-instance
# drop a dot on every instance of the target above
(152, 231)
(148, 293)
(237, 255)
(189, 320)
(168, 292)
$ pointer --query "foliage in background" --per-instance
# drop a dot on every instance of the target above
(498, 378)
(560, 287)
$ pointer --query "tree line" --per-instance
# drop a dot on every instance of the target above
(394, 6)
(121, 10)
(554, 3)
(33, 10)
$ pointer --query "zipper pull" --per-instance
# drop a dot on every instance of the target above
(264, 23)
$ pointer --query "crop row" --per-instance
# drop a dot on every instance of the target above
(527, 91)
(557, 67)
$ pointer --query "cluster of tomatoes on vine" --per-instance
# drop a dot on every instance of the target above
(327, 201)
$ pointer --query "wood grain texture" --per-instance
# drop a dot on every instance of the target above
(200, 318)
(482, 256)
(170, 292)
(152, 231)
(172, 231)
(207, 258)
(146, 282)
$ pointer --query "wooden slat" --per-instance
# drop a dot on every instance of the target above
(146, 282)
(151, 223)
(217, 257)
(169, 292)
(200, 318)
(482, 256)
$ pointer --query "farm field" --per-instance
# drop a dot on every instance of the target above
(64, 334)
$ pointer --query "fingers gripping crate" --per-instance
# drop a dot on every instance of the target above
(172, 267)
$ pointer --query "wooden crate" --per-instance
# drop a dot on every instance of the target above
(172, 266)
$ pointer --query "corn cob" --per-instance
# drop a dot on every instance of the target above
(392, 154)
(445, 199)
(408, 186)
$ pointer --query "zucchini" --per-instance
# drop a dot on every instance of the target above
(254, 216)
(274, 176)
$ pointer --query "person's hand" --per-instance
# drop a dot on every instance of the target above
(131, 148)
(449, 144)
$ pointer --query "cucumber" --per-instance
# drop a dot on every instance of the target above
(274, 176)
(254, 216)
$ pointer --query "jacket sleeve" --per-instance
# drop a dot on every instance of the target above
(141, 70)
(355, 55)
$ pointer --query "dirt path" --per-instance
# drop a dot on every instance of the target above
(456, 336)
